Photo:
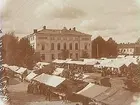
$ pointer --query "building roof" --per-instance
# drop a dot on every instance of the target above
(21, 70)
(130, 45)
(58, 71)
(31, 76)
(50, 80)
(63, 31)
(119, 98)
(13, 68)
(110, 92)
(92, 90)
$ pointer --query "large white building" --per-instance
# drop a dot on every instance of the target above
(51, 42)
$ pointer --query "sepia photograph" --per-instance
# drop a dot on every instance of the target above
(69, 52)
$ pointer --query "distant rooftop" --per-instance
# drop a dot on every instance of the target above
(128, 45)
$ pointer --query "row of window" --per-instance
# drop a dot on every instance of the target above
(59, 46)
(43, 57)
(59, 38)
(85, 38)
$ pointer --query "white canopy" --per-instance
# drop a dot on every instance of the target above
(21, 70)
(13, 68)
(31, 76)
(58, 71)
(88, 86)
(76, 62)
(50, 80)
(5, 65)
(61, 61)
(92, 90)
(41, 64)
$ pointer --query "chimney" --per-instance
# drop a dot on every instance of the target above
(35, 30)
(44, 27)
(74, 28)
(65, 28)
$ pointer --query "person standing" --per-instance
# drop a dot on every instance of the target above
(49, 94)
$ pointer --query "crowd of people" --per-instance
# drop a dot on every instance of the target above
(4, 82)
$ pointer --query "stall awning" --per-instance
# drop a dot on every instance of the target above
(58, 71)
(76, 62)
(50, 80)
(59, 61)
(106, 94)
(31, 76)
(41, 64)
(92, 90)
(5, 65)
(13, 68)
(119, 98)
(21, 70)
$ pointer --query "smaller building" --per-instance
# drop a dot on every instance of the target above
(129, 49)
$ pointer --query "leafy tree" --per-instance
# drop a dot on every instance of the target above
(26, 54)
(9, 48)
(102, 48)
(99, 47)
(18, 52)
(112, 48)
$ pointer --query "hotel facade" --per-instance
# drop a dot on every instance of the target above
(50, 43)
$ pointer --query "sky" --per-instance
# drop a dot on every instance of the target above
(119, 19)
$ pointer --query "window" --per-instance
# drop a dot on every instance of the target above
(86, 47)
(76, 55)
(52, 46)
(70, 38)
(85, 38)
(58, 46)
(52, 38)
(59, 38)
(43, 56)
(70, 46)
(32, 37)
(33, 45)
(43, 47)
(59, 55)
(64, 38)
(42, 38)
(65, 47)
(76, 38)
(76, 46)
(53, 57)
(70, 55)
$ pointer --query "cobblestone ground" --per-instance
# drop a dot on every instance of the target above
(19, 96)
